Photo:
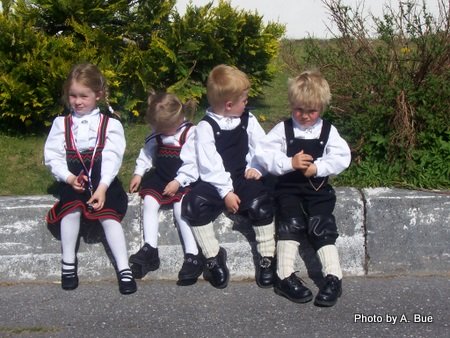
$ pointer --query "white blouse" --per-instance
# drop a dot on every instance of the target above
(210, 165)
(188, 172)
(84, 130)
(271, 152)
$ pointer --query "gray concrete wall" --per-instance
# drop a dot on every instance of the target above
(382, 231)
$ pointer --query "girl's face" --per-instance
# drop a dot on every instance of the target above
(82, 99)
(306, 117)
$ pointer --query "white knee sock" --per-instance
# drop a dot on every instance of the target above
(116, 241)
(150, 220)
(329, 257)
(70, 228)
(287, 251)
(206, 239)
(265, 239)
(190, 246)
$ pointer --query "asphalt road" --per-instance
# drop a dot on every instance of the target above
(405, 306)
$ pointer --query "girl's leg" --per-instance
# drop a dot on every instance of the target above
(150, 221)
(190, 246)
(147, 258)
(193, 263)
(70, 228)
(116, 241)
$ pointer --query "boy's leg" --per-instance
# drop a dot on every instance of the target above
(116, 241)
(206, 239)
(287, 251)
(331, 269)
(291, 227)
(329, 258)
(322, 232)
(265, 245)
(287, 284)
(200, 207)
(257, 205)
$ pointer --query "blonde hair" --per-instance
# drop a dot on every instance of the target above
(165, 110)
(225, 83)
(310, 90)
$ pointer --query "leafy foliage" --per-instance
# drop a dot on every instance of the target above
(138, 44)
(390, 92)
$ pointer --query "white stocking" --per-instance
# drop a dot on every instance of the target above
(150, 220)
(70, 228)
(190, 246)
(116, 241)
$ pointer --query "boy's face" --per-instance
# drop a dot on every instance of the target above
(236, 108)
(306, 117)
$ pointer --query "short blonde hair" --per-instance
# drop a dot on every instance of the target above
(310, 90)
(225, 83)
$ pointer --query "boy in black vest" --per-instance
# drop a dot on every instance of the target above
(225, 142)
(303, 151)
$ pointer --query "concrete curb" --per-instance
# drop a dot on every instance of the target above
(382, 231)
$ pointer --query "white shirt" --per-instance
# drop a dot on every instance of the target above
(188, 172)
(112, 155)
(271, 151)
(210, 164)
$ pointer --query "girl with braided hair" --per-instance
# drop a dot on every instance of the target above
(84, 152)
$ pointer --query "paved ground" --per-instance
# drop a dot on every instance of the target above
(419, 305)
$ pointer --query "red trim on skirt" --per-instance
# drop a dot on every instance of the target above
(52, 217)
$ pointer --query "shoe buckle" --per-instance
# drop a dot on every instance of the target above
(265, 263)
(211, 264)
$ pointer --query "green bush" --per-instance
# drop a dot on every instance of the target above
(390, 92)
(138, 45)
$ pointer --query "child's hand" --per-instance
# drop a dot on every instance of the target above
(135, 183)
(252, 174)
(310, 171)
(171, 188)
(97, 200)
(232, 202)
(77, 182)
(301, 161)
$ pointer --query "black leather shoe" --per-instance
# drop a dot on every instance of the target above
(69, 277)
(329, 292)
(293, 289)
(216, 271)
(143, 261)
(127, 284)
(265, 271)
(191, 269)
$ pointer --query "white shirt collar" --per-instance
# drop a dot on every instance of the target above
(94, 112)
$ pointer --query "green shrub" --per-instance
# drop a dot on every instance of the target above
(138, 45)
(390, 92)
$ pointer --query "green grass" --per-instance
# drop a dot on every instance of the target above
(22, 170)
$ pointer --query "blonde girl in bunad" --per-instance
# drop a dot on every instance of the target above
(84, 152)
(165, 168)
